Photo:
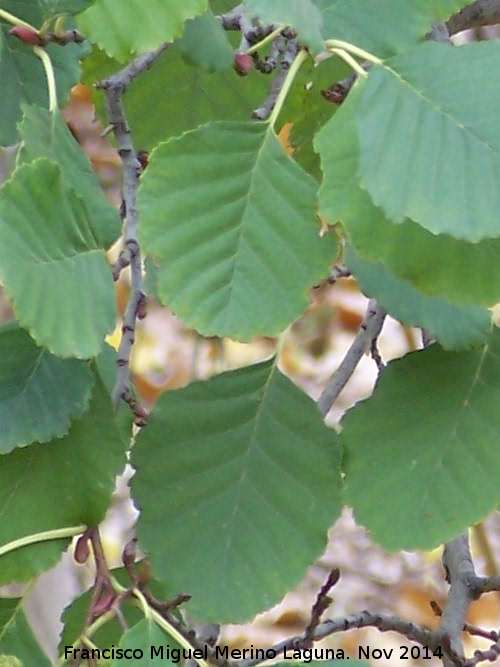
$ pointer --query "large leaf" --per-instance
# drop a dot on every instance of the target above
(231, 220)
(58, 7)
(16, 635)
(39, 394)
(429, 152)
(45, 134)
(53, 264)
(205, 43)
(302, 15)
(65, 483)
(407, 249)
(421, 457)
(123, 30)
(454, 326)
(383, 27)
(175, 96)
(22, 72)
(244, 493)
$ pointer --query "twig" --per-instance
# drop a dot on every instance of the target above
(365, 619)
(460, 573)
(321, 604)
(288, 56)
(475, 15)
(369, 331)
(115, 86)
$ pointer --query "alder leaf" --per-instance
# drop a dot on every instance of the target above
(231, 222)
(245, 493)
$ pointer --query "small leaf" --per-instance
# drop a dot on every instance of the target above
(65, 483)
(428, 151)
(39, 394)
(53, 264)
(123, 30)
(231, 221)
(16, 636)
(454, 326)
(301, 15)
(419, 475)
(205, 43)
(245, 492)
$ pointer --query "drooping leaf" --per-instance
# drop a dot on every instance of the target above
(16, 636)
(428, 149)
(45, 134)
(22, 71)
(124, 30)
(227, 214)
(454, 326)
(39, 394)
(65, 483)
(205, 43)
(407, 249)
(257, 468)
(53, 264)
(179, 96)
(302, 15)
(420, 474)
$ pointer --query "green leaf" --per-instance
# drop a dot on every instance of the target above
(227, 214)
(443, 9)
(205, 43)
(124, 30)
(408, 250)
(383, 28)
(65, 483)
(420, 474)
(302, 15)
(45, 134)
(428, 151)
(144, 636)
(175, 96)
(454, 326)
(24, 73)
(245, 492)
(53, 264)
(39, 394)
(16, 636)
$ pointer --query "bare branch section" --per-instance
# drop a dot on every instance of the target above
(370, 329)
(115, 87)
(475, 15)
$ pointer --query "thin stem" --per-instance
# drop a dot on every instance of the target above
(354, 50)
(45, 536)
(347, 58)
(265, 41)
(49, 73)
(292, 73)
(167, 627)
(10, 18)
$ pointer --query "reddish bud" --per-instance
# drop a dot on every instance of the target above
(26, 35)
(82, 552)
(242, 63)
